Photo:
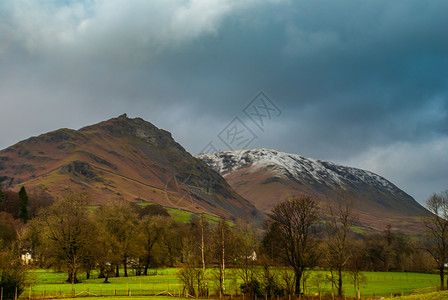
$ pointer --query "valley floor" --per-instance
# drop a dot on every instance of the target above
(165, 282)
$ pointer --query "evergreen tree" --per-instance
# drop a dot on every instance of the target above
(23, 213)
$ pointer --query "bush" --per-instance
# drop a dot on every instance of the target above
(272, 288)
(13, 275)
(252, 288)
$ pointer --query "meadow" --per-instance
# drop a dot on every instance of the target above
(164, 282)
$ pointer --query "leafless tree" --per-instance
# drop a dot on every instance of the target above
(436, 222)
(356, 265)
(204, 229)
(193, 273)
(246, 256)
(66, 229)
(291, 226)
(339, 223)
(223, 248)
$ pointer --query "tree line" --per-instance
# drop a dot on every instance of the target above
(120, 237)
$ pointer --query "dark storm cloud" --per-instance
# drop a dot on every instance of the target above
(358, 82)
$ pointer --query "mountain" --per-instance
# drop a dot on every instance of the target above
(266, 177)
(121, 157)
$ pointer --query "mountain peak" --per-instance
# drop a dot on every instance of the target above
(121, 157)
(267, 176)
(123, 126)
(294, 166)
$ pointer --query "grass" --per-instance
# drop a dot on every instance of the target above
(183, 216)
(127, 298)
(178, 215)
(429, 296)
(379, 284)
(54, 283)
(387, 283)
(361, 229)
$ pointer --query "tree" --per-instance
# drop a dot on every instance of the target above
(223, 248)
(356, 264)
(189, 276)
(8, 228)
(11, 203)
(66, 230)
(318, 280)
(13, 275)
(204, 233)
(195, 254)
(173, 240)
(151, 229)
(292, 227)
(245, 253)
(340, 221)
(23, 212)
(117, 222)
(436, 222)
(38, 200)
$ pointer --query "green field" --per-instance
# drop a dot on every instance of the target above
(49, 283)
(387, 283)
(379, 284)
(128, 298)
(163, 281)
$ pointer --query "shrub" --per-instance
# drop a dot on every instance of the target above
(13, 275)
(252, 288)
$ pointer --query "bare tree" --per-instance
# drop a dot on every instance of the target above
(356, 264)
(203, 224)
(222, 249)
(66, 229)
(291, 226)
(340, 221)
(245, 235)
(193, 273)
(436, 222)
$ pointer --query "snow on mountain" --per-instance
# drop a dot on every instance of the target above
(295, 167)
(266, 177)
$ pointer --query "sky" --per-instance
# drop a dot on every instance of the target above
(359, 83)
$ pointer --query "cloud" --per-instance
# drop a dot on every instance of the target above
(120, 32)
(420, 169)
(301, 43)
(350, 76)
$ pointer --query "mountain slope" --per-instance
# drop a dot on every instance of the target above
(266, 177)
(121, 157)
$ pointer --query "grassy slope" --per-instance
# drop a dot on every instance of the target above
(120, 158)
(185, 216)
(265, 189)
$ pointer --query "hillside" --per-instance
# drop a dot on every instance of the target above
(121, 157)
(266, 177)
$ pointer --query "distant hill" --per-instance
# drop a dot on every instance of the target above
(121, 157)
(266, 177)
